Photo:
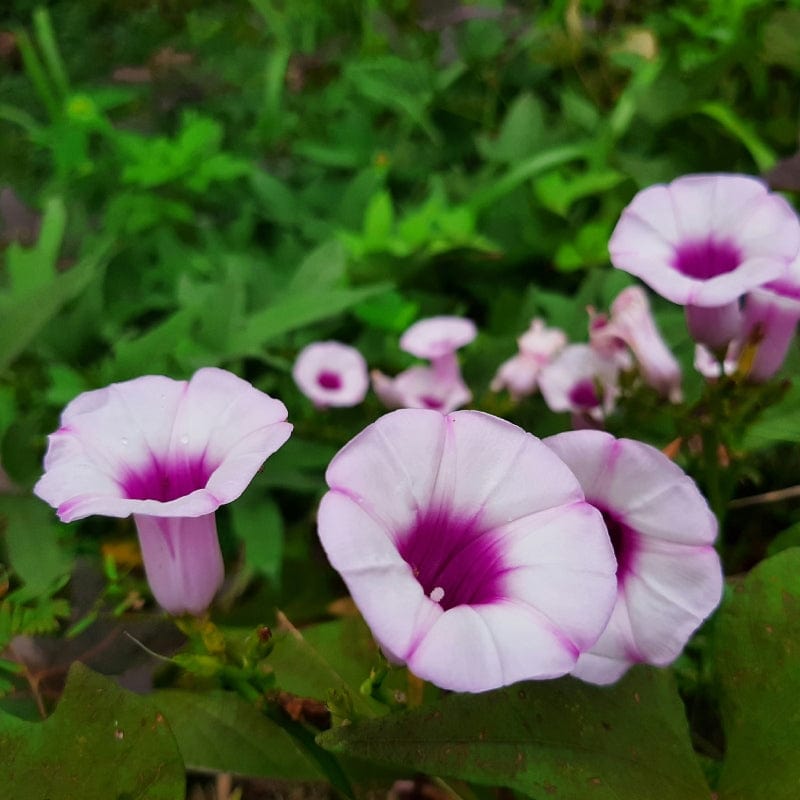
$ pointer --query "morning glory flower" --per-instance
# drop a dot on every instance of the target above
(170, 453)
(631, 322)
(435, 337)
(331, 374)
(538, 346)
(468, 548)
(703, 241)
(669, 577)
(422, 387)
(580, 380)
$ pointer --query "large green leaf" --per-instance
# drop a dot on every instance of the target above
(25, 313)
(758, 661)
(561, 738)
(220, 731)
(331, 657)
(102, 742)
(32, 545)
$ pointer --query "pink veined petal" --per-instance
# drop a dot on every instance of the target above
(588, 455)
(517, 474)
(437, 336)
(653, 494)
(613, 654)
(380, 582)
(182, 560)
(124, 425)
(562, 564)
(218, 411)
(391, 466)
(672, 591)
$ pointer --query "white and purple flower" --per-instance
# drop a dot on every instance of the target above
(703, 241)
(669, 577)
(580, 380)
(468, 547)
(170, 453)
(538, 346)
(331, 374)
(631, 323)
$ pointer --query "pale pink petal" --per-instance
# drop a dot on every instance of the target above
(674, 588)
(541, 342)
(614, 652)
(499, 471)
(519, 374)
(331, 374)
(437, 336)
(391, 466)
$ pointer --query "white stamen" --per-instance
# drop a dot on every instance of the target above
(437, 594)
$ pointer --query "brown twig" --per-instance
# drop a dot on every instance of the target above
(767, 497)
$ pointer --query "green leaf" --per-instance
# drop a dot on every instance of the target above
(763, 156)
(31, 268)
(323, 268)
(32, 543)
(758, 661)
(295, 311)
(520, 134)
(303, 669)
(260, 527)
(102, 742)
(561, 738)
(219, 731)
(25, 314)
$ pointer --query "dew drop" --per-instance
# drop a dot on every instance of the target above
(124, 441)
(119, 735)
(437, 594)
(184, 439)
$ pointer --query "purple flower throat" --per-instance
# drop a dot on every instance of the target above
(165, 481)
(706, 259)
(454, 560)
(624, 540)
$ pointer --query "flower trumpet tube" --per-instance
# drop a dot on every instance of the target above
(669, 577)
(170, 453)
(468, 548)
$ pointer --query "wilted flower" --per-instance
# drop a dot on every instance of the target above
(582, 382)
(422, 387)
(703, 241)
(468, 548)
(331, 374)
(170, 453)
(632, 322)
(669, 577)
(538, 346)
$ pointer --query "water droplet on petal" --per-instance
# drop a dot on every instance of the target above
(124, 441)
(184, 439)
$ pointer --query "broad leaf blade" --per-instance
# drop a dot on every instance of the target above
(561, 738)
(758, 661)
(102, 742)
(219, 731)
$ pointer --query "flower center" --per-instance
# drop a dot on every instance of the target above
(584, 394)
(429, 401)
(455, 562)
(624, 540)
(164, 482)
(329, 380)
(706, 259)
